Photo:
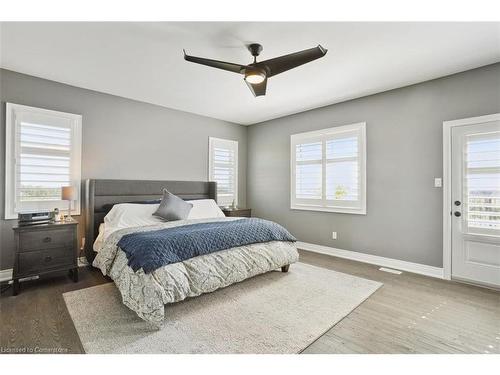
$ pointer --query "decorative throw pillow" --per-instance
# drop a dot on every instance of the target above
(172, 207)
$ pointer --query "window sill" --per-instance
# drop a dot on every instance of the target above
(339, 210)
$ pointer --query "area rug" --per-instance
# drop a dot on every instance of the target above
(271, 313)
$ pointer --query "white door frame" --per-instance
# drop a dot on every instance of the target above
(447, 207)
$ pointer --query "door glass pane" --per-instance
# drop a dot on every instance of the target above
(482, 183)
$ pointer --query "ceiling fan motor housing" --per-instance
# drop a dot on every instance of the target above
(255, 49)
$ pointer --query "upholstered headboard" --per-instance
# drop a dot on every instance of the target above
(99, 193)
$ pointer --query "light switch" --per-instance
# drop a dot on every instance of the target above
(438, 182)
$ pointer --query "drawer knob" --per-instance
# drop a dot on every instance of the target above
(48, 258)
(47, 239)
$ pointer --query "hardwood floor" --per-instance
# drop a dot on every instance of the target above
(37, 320)
(412, 314)
(409, 314)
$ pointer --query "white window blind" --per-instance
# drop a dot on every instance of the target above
(482, 183)
(223, 169)
(328, 170)
(43, 154)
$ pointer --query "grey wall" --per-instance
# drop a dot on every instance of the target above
(404, 154)
(121, 138)
(129, 139)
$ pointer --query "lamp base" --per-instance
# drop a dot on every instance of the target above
(68, 218)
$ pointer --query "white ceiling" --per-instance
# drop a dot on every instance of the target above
(144, 61)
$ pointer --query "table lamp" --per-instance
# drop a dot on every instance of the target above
(68, 194)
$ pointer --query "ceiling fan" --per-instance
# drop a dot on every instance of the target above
(257, 73)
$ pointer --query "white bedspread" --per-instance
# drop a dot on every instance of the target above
(147, 294)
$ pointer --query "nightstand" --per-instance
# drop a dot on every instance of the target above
(242, 212)
(45, 248)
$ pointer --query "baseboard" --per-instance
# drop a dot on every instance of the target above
(402, 265)
(5, 275)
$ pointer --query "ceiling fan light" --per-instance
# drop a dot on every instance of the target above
(255, 77)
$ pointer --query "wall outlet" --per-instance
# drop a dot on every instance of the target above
(438, 182)
(334, 235)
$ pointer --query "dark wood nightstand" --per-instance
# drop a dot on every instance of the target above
(242, 212)
(45, 248)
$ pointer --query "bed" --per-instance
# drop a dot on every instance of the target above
(147, 293)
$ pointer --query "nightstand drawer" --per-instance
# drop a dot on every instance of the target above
(44, 239)
(44, 260)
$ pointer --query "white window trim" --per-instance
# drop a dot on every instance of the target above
(211, 140)
(295, 205)
(11, 109)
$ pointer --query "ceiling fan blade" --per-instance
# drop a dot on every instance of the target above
(236, 68)
(257, 89)
(283, 63)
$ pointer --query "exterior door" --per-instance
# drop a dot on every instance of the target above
(475, 194)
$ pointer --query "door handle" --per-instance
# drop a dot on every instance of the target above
(457, 213)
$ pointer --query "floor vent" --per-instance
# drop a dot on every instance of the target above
(390, 270)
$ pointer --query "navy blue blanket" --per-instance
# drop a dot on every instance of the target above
(154, 249)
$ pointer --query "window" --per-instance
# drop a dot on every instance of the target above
(328, 170)
(482, 183)
(223, 169)
(43, 153)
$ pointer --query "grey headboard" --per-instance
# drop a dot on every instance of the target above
(99, 193)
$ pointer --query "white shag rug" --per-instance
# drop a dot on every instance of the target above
(271, 313)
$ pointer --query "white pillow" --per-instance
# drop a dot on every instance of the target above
(126, 215)
(204, 209)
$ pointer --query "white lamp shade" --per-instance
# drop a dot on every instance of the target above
(68, 193)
